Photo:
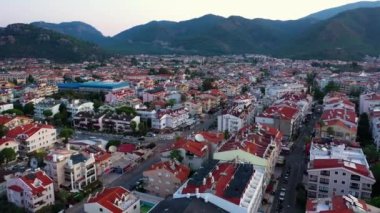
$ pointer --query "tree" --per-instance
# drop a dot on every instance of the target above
(244, 89)
(371, 153)
(29, 108)
(13, 111)
(133, 125)
(330, 131)
(226, 134)
(364, 135)
(207, 84)
(134, 61)
(375, 201)
(183, 97)
(113, 143)
(171, 102)
(30, 79)
(3, 130)
(176, 155)
(7, 155)
(376, 173)
(47, 113)
(66, 133)
(142, 128)
(127, 110)
(331, 87)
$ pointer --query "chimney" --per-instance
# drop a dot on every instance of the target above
(55, 158)
(68, 147)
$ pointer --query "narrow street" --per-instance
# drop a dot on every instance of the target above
(296, 161)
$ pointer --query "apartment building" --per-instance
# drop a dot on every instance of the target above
(368, 102)
(236, 117)
(287, 119)
(33, 136)
(259, 145)
(77, 105)
(342, 203)
(277, 91)
(31, 191)
(111, 200)
(171, 119)
(233, 187)
(193, 153)
(46, 105)
(80, 171)
(104, 122)
(164, 178)
(330, 177)
(9, 143)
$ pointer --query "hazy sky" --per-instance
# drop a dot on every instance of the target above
(114, 16)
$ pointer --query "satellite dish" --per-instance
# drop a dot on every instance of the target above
(112, 149)
(199, 138)
(34, 163)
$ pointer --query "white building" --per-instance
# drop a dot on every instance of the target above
(9, 143)
(171, 119)
(32, 191)
(33, 137)
(368, 102)
(111, 200)
(233, 187)
(46, 105)
(76, 106)
(236, 117)
(79, 171)
(5, 107)
(276, 91)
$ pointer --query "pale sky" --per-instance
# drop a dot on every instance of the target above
(114, 16)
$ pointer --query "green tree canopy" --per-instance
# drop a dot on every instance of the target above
(207, 84)
(3, 130)
(371, 153)
(47, 113)
(29, 108)
(66, 133)
(176, 155)
(7, 155)
(364, 134)
(331, 87)
(13, 111)
(143, 129)
(133, 125)
(113, 143)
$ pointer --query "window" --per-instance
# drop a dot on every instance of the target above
(101, 209)
(134, 207)
(342, 191)
(335, 181)
(336, 172)
(344, 174)
(343, 182)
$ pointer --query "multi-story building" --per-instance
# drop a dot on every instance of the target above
(336, 204)
(93, 86)
(107, 122)
(5, 107)
(368, 102)
(9, 143)
(193, 153)
(33, 137)
(111, 200)
(164, 178)
(287, 119)
(171, 119)
(374, 117)
(233, 187)
(76, 106)
(46, 105)
(32, 191)
(258, 144)
(119, 97)
(276, 91)
(338, 123)
(80, 171)
(236, 117)
(330, 177)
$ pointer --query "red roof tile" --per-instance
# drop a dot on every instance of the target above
(107, 198)
(181, 171)
(337, 163)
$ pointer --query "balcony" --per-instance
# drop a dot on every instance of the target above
(324, 190)
(313, 179)
(312, 187)
(325, 173)
(324, 182)
(355, 187)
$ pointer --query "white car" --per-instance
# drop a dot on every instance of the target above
(282, 195)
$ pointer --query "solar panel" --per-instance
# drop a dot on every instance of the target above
(237, 185)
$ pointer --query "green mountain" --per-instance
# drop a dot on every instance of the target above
(77, 29)
(349, 35)
(331, 12)
(23, 40)
(209, 35)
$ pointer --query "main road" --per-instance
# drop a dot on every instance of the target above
(296, 161)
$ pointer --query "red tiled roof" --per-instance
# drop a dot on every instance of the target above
(284, 112)
(212, 137)
(28, 129)
(346, 115)
(30, 179)
(126, 148)
(5, 140)
(16, 188)
(337, 163)
(5, 119)
(197, 148)
(107, 198)
(181, 171)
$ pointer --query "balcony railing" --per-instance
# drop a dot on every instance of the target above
(354, 187)
(324, 182)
